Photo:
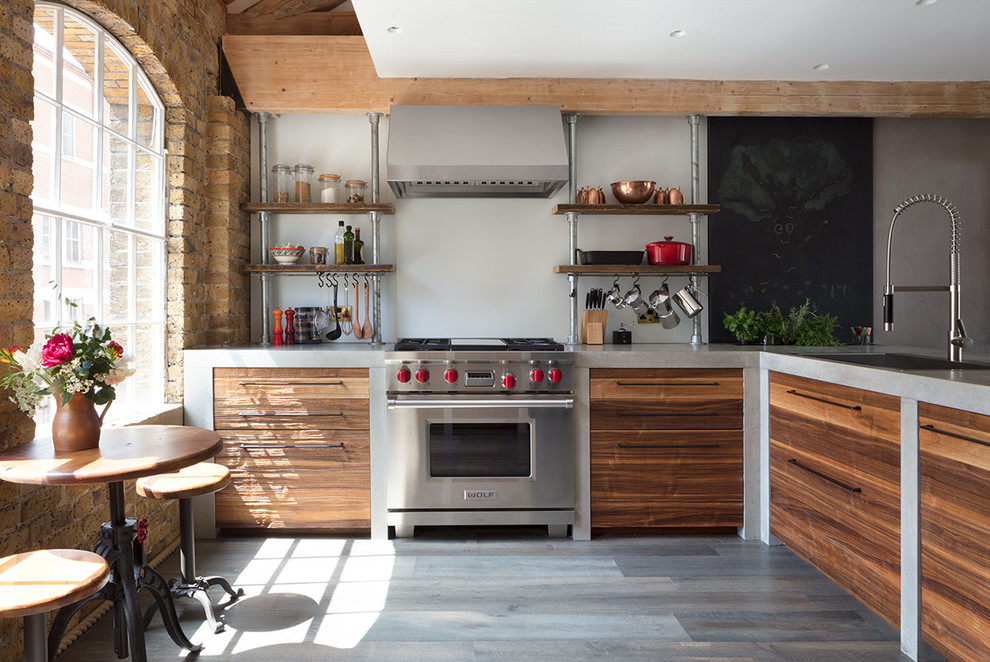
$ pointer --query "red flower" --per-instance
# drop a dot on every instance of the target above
(58, 350)
(115, 346)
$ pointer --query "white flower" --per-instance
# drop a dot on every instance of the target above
(121, 371)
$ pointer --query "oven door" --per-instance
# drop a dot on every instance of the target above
(477, 453)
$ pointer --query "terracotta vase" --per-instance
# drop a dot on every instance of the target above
(76, 425)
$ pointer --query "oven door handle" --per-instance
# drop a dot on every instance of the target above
(478, 403)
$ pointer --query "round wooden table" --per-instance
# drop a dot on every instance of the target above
(124, 453)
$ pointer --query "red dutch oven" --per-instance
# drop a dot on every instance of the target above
(668, 252)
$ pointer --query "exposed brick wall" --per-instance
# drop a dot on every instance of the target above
(176, 43)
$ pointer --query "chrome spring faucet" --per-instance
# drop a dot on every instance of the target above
(957, 338)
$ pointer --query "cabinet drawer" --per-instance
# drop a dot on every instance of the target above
(261, 390)
(297, 479)
(701, 414)
(845, 522)
(666, 479)
(306, 414)
(666, 384)
(955, 531)
(858, 428)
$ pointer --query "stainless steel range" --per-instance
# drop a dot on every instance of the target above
(480, 432)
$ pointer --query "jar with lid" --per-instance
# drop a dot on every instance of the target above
(355, 191)
(281, 182)
(331, 190)
(304, 182)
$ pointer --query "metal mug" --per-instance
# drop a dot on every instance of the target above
(687, 302)
(634, 299)
(614, 296)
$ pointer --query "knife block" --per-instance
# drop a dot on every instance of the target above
(593, 326)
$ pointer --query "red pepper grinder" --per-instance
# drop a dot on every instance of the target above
(290, 331)
(277, 331)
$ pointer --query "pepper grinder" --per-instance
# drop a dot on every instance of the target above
(277, 331)
(290, 330)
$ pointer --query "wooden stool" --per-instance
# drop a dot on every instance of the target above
(34, 583)
(202, 478)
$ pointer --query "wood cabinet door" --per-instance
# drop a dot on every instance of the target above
(662, 478)
(955, 531)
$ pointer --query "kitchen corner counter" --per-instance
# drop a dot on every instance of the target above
(344, 355)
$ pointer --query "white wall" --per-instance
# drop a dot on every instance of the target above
(949, 158)
(484, 267)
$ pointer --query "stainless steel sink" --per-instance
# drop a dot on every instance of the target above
(906, 362)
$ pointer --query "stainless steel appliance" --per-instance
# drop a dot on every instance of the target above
(480, 431)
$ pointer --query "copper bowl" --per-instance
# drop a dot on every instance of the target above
(633, 192)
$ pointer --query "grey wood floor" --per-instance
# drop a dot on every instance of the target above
(512, 594)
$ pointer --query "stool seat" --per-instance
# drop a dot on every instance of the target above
(48, 579)
(202, 478)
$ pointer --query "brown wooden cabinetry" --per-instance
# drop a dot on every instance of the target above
(835, 484)
(955, 531)
(297, 444)
(666, 448)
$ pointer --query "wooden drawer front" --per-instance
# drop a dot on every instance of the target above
(666, 479)
(955, 531)
(844, 522)
(858, 428)
(298, 398)
(668, 384)
(291, 480)
(701, 414)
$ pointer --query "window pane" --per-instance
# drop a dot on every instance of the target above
(43, 147)
(117, 277)
(116, 90)
(148, 119)
(79, 67)
(147, 208)
(44, 50)
(149, 258)
(43, 271)
(77, 178)
(143, 343)
(116, 179)
(79, 264)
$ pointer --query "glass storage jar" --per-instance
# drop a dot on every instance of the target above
(331, 190)
(355, 191)
(304, 182)
(281, 182)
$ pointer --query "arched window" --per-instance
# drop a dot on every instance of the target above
(99, 201)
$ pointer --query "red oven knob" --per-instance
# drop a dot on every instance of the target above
(422, 376)
(508, 380)
(403, 375)
(536, 375)
(555, 375)
(450, 376)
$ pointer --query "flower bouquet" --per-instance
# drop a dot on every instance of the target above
(74, 365)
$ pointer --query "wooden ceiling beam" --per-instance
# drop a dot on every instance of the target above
(295, 7)
(313, 74)
(313, 23)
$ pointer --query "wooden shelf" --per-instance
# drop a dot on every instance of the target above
(630, 269)
(636, 210)
(316, 268)
(317, 207)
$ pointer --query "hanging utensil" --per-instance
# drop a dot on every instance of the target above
(357, 319)
(334, 333)
(366, 330)
(345, 318)
(321, 321)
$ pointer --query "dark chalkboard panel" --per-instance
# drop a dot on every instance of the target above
(796, 217)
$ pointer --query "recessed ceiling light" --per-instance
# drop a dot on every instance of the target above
(922, 3)
(822, 67)
(393, 29)
(678, 33)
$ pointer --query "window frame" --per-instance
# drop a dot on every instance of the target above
(100, 219)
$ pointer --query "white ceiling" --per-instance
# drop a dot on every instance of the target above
(875, 40)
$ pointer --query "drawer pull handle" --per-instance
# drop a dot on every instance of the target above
(828, 402)
(640, 414)
(290, 383)
(635, 446)
(667, 384)
(252, 447)
(286, 415)
(824, 477)
(934, 429)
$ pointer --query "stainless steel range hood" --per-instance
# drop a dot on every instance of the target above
(476, 151)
